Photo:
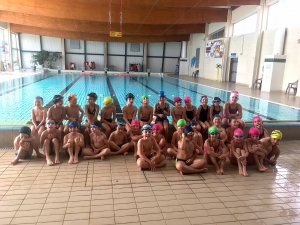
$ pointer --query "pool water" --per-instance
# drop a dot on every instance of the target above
(17, 95)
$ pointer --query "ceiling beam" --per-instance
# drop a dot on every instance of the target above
(97, 37)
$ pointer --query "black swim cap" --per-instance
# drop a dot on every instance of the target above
(96, 123)
(129, 95)
(93, 95)
(57, 98)
(188, 129)
(25, 130)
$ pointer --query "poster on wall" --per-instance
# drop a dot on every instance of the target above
(214, 49)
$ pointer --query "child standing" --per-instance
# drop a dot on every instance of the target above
(57, 112)
(177, 111)
(145, 112)
(215, 151)
(238, 152)
(99, 144)
(215, 109)
(162, 111)
(108, 116)
(129, 110)
(38, 116)
(72, 112)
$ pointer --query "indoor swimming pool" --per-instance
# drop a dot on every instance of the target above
(17, 95)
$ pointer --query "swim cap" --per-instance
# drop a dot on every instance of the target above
(121, 124)
(254, 131)
(193, 122)
(234, 94)
(129, 95)
(73, 124)
(145, 96)
(72, 97)
(108, 100)
(187, 99)
(202, 97)
(276, 134)
(213, 130)
(161, 94)
(177, 99)
(188, 129)
(216, 115)
(50, 119)
(238, 131)
(57, 98)
(181, 123)
(93, 95)
(96, 123)
(39, 97)
(255, 118)
(156, 127)
(146, 127)
(134, 122)
(25, 130)
(216, 99)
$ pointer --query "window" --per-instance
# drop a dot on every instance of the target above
(14, 40)
(273, 16)
(217, 34)
(245, 26)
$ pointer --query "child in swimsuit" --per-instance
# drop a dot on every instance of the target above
(256, 149)
(129, 110)
(161, 111)
(203, 116)
(108, 116)
(177, 111)
(234, 124)
(57, 112)
(72, 112)
(272, 145)
(91, 113)
(233, 109)
(24, 144)
(215, 151)
(149, 154)
(197, 137)
(257, 123)
(38, 116)
(238, 152)
(217, 122)
(135, 134)
(99, 144)
(190, 111)
(145, 112)
(186, 161)
(118, 140)
(160, 139)
(177, 135)
(215, 109)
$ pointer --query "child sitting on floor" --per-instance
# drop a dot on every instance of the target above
(215, 109)
(72, 112)
(197, 137)
(118, 140)
(177, 111)
(217, 122)
(233, 124)
(177, 135)
(108, 116)
(145, 112)
(24, 144)
(186, 161)
(135, 134)
(38, 116)
(57, 112)
(99, 144)
(51, 139)
(160, 139)
(271, 144)
(215, 151)
(129, 110)
(257, 123)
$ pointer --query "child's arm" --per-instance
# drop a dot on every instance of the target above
(226, 109)
(63, 115)
(195, 113)
(221, 112)
(142, 155)
(266, 134)
(87, 115)
(191, 160)
(124, 111)
(233, 149)
(211, 110)
(182, 142)
(92, 142)
(173, 144)
(134, 114)
(33, 118)
(207, 114)
(226, 137)
(43, 137)
(167, 112)
(173, 115)
(240, 111)
(16, 143)
(49, 112)
(198, 114)
(246, 150)
(208, 149)
(225, 151)
(66, 144)
(151, 116)
(139, 113)
(156, 147)
(44, 118)
(79, 141)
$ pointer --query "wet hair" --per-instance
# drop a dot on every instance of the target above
(39, 97)
(57, 98)
(232, 118)
(129, 95)
(93, 95)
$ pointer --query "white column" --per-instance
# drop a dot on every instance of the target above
(9, 48)
(183, 50)
(183, 64)
(105, 55)
(63, 54)
(226, 59)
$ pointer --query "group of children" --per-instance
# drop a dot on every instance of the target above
(199, 131)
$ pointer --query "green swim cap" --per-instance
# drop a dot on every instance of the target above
(145, 96)
(181, 123)
(213, 130)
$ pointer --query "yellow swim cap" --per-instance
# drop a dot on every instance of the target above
(108, 100)
(276, 134)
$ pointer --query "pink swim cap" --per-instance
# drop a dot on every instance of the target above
(177, 99)
(238, 131)
(255, 118)
(134, 122)
(254, 131)
(187, 99)
(156, 127)
(234, 94)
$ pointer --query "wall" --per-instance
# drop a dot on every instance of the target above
(196, 41)
(212, 27)
(242, 12)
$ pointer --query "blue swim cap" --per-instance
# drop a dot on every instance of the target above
(73, 124)
(96, 123)
(193, 122)
(188, 129)
(146, 127)
(121, 124)
(161, 94)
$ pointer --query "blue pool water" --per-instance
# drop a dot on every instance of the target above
(17, 95)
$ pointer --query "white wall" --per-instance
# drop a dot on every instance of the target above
(212, 27)
(117, 62)
(196, 41)
(173, 49)
(116, 48)
(95, 47)
(135, 53)
(242, 12)
(51, 44)
(170, 65)
(155, 49)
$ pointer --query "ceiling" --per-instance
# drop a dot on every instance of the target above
(142, 20)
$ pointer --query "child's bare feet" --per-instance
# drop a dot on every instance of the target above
(14, 162)
(260, 169)
(57, 160)
(125, 153)
(218, 171)
(102, 157)
(245, 174)
(204, 170)
(71, 160)
(221, 171)
(75, 160)
(49, 162)
(241, 172)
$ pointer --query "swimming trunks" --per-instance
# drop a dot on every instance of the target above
(109, 120)
(190, 114)
(37, 123)
(137, 157)
(57, 123)
(129, 120)
(144, 120)
(178, 116)
(203, 114)
(26, 156)
(120, 146)
(180, 160)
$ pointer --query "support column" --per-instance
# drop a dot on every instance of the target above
(226, 59)
(9, 48)
(145, 53)
(105, 55)
(63, 54)
(183, 64)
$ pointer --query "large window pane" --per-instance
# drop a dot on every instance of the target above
(273, 16)
(245, 26)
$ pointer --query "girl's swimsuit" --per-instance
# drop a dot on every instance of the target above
(233, 111)
(203, 114)
(178, 116)
(216, 148)
(190, 114)
(215, 112)
(161, 111)
(93, 111)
